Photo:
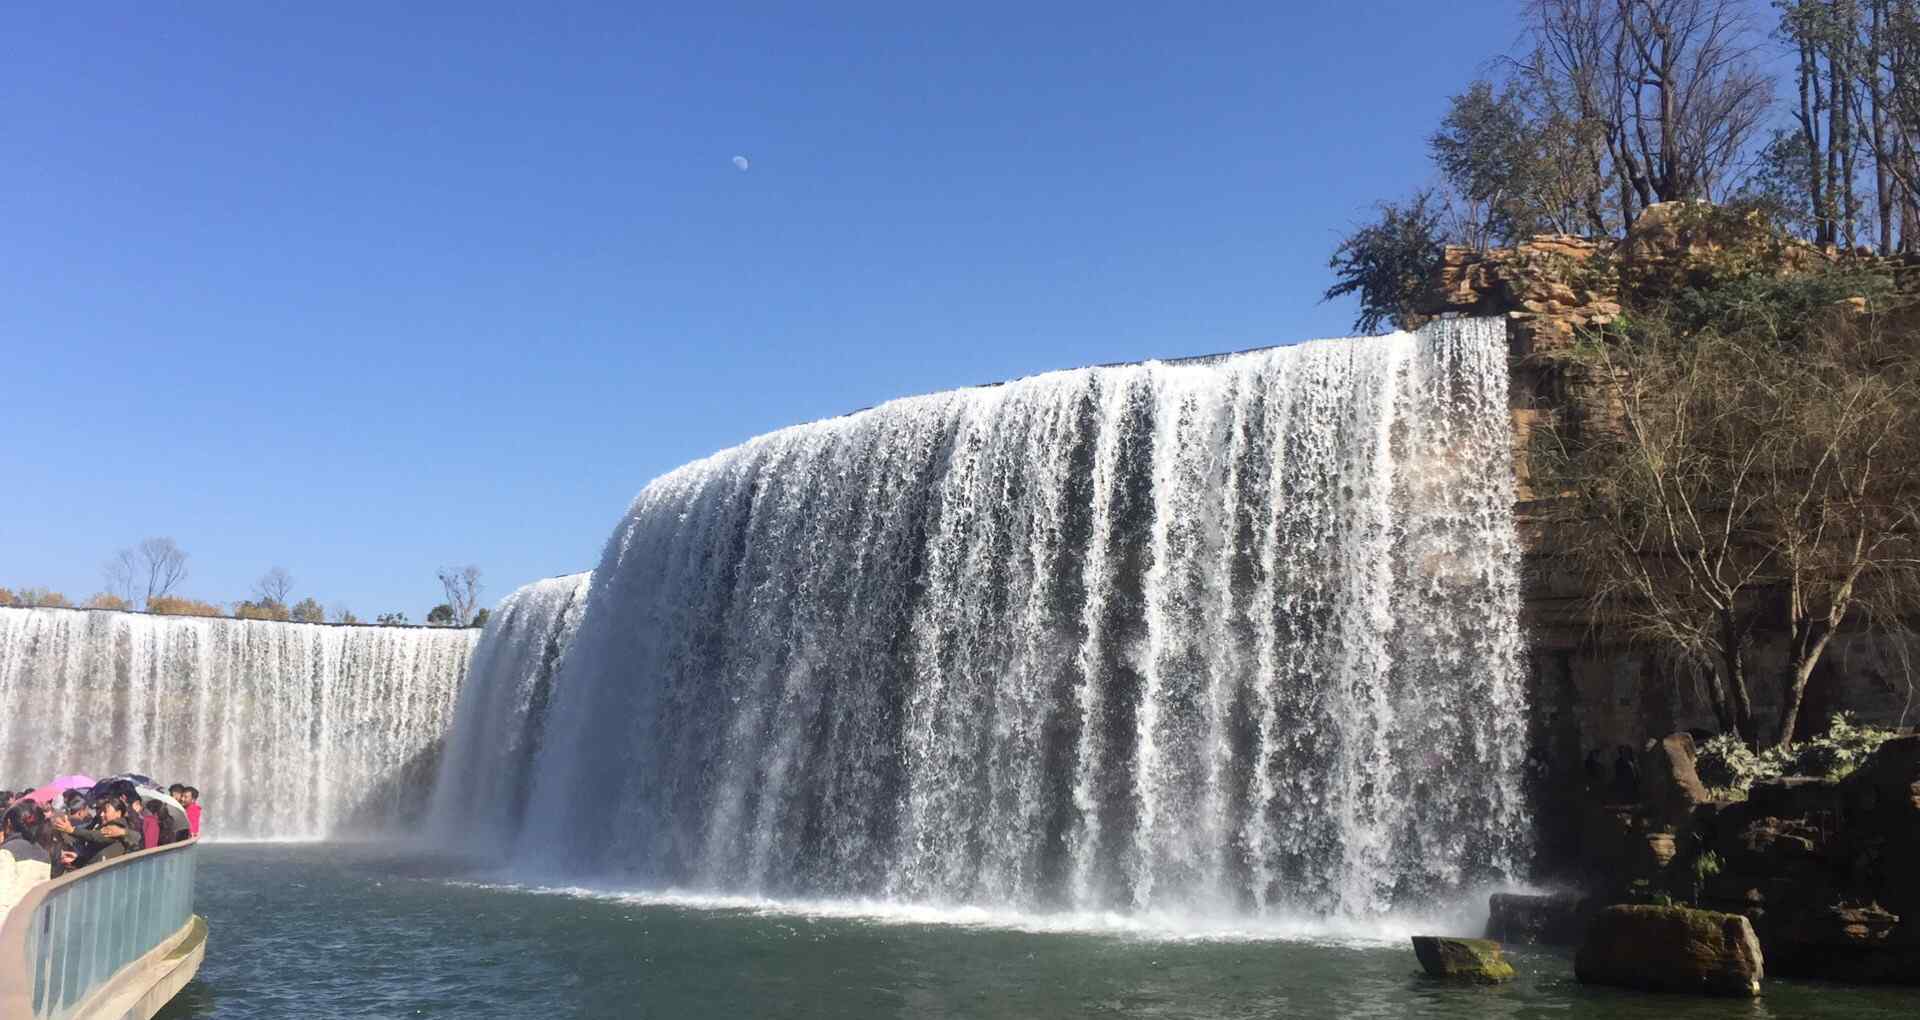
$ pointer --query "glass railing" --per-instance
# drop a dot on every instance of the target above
(69, 937)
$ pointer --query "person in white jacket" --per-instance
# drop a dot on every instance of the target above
(26, 852)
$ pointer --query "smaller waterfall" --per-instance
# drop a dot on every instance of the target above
(290, 730)
(497, 726)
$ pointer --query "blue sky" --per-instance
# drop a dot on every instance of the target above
(362, 291)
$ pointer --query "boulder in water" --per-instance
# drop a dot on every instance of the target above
(1671, 949)
(1471, 960)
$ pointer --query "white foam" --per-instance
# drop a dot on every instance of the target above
(1151, 925)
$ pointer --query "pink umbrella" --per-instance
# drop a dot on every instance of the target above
(49, 793)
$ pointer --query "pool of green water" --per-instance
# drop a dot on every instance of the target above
(321, 930)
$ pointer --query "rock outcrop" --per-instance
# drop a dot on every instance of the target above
(1828, 871)
(1887, 784)
(1670, 785)
(1552, 286)
(1671, 949)
(1548, 287)
(1476, 961)
(1590, 693)
(1825, 871)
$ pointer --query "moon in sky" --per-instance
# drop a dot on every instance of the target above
(740, 163)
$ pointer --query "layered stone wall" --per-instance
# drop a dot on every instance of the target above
(1592, 694)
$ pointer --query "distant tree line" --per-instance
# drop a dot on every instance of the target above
(1610, 106)
(145, 578)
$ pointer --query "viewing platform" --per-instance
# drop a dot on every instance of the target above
(115, 940)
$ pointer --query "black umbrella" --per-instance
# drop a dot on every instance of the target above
(176, 820)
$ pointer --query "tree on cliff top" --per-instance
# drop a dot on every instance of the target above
(1520, 164)
(30, 598)
(1665, 94)
(462, 585)
(260, 609)
(1620, 104)
(150, 570)
(274, 586)
(1388, 262)
(1744, 474)
(174, 605)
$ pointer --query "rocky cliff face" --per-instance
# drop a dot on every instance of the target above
(1824, 868)
(1592, 695)
(1548, 288)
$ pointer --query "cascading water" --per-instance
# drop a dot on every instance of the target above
(498, 725)
(1230, 635)
(289, 730)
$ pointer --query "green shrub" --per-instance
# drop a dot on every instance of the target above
(1726, 763)
(1776, 306)
(1705, 867)
(1835, 755)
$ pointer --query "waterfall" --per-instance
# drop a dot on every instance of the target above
(498, 725)
(1236, 634)
(290, 731)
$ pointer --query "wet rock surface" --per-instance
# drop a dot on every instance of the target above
(1826, 871)
(1474, 961)
(1671, 949)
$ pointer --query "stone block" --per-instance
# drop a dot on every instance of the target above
(1477, 961)
(1671, 949)
(1794, 797)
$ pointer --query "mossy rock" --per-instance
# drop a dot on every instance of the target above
(1477, 961)
(1671, 949)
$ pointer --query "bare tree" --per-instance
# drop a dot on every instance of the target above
(156, 566)
(1847, 169)
(1694, 95)
(462, 585)
(1737, 482)
(1665, 93)
(1874, 44)
(122, 573)
(1824, 36)
(274, 586)
(1573, 66)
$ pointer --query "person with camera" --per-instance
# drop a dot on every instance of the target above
(111, 835)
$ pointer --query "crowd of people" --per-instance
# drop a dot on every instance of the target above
(46, 833)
